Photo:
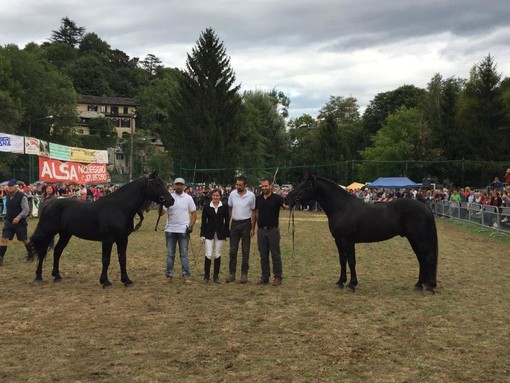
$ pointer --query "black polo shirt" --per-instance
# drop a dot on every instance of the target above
(269, 209)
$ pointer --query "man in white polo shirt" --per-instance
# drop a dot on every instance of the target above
(241, 204)
(181, 218)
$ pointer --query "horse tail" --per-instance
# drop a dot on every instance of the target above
(39, 243)
(434, 256)
(41, 238)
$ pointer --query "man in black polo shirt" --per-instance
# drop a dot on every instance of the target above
(267, 214)
(15, 219)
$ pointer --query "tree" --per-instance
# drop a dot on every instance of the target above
(481, 114)
(127, 77)
(345, 114)
(151, 64)
(90, 75)
(265, 113)
(439, 109)
(155, 103)
(387, 103)
(68, 33)
(92, 44)
(103, 134)
(404, 137)
(206, 120)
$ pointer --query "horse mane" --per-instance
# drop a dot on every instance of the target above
(333, 185)
(126, 188)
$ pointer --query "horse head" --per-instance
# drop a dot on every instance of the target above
(157, 191)
(303, 192)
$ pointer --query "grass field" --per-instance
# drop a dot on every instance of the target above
(305, 330)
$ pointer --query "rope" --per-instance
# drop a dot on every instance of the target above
(190, 246)
(291, 219)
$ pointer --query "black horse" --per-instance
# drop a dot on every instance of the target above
(353, 221)
(109, 220)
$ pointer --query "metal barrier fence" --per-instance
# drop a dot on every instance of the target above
(487, 217)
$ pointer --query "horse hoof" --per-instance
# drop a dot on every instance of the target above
(128, 283)
(107, 284)
(57, 279)
(340, 285)
(431, 290)
(38, 280)
(418, 287)
(351, 287)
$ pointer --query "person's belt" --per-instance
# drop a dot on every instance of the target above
(241, 220)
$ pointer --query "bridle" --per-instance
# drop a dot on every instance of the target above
(292, 226)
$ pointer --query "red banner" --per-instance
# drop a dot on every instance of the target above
(72, 172)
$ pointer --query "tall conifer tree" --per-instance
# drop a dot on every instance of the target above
(206, 120)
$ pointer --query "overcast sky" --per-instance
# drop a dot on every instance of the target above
(310, 50)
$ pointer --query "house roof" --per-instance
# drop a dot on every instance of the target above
(104, 100)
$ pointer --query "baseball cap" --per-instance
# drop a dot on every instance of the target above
(179, 180)
(12, 182)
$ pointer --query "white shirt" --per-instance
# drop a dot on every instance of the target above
(242, 206)
(215, 207)
(178, 213)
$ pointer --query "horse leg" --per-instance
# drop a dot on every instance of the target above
(121, 251)
(41, 250)
(351, 260)
(139, 224)
(63, 240)
(424, 255)
(343, 264)
(106, 253)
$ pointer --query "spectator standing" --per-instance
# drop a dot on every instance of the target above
(496, 184)
(181, 218)
(241, 203)
(214, 230)
(267, 215)
(15, 219)
(454, 204)
(496, 201)
(507, 177)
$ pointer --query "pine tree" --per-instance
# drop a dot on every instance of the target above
(206, 122)
(68, 33)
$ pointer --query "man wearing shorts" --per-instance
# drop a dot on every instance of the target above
(15, 219)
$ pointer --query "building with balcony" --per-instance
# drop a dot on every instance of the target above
(120, 111)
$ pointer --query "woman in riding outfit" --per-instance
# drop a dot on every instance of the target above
(213, 231)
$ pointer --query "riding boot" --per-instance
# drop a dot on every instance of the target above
(207, 270)
(217, 263)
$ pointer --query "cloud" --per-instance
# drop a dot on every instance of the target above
(309, 50)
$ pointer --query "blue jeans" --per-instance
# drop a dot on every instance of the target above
(171, 242)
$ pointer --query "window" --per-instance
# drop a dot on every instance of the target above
(125, 123)
(92, 108)
(126, 111)
(104, 108)
(119, 157)
(115, 110)
(115, 122)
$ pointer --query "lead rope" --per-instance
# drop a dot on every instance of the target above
(190, 246)
(291, 219)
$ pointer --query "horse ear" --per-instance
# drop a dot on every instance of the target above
(154, 174)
